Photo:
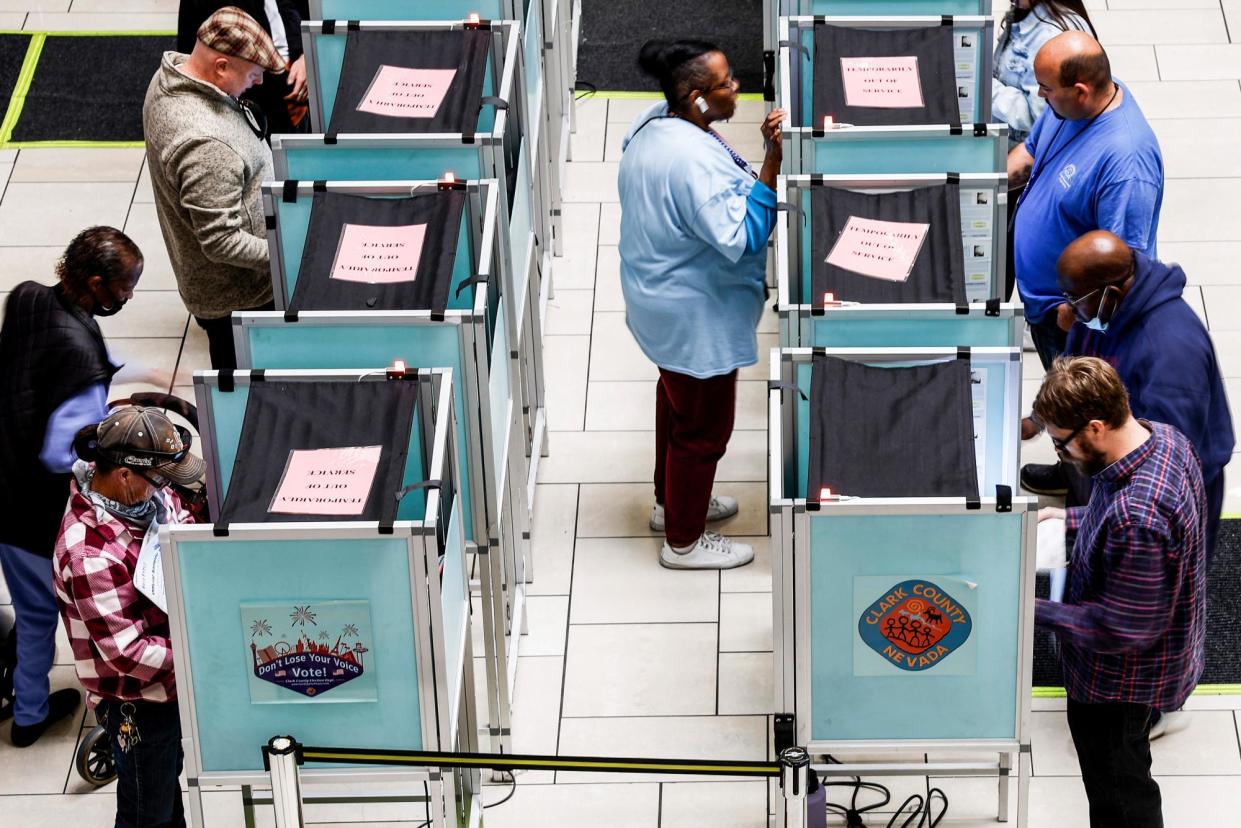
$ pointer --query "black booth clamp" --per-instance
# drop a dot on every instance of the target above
(425, 484)
(473, 280)
(801, 47)
(980, 130)
(475, 22)
(224, 379)
(269, 222)
(290, 316)
(1003, 498)
(778, 385)
(790, 207)
(945, 20)
(992, 307)
(784, 726)
(398, 370)
(449, 182)
(769, 75)
(963, 353)
(493, 100)
(289, 191)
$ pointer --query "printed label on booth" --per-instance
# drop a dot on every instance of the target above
(306, 651)
(882, 82)
(914, 625)
(330, 481)
(401, 92)
(879, 249)
(378, 255)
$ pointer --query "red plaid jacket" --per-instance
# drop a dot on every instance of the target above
(120, 640)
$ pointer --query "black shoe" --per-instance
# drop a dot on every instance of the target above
(59, 704)
(1044, 479)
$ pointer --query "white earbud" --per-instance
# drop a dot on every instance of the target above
(702, 105)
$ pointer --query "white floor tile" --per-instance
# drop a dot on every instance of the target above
(195, 355)
(620, 581)
(555, 511)
(630, 406)
(715, 804)
(1187, 25)
(161, 312)
(61, 810)
(623, 805)
(613, 140)
(755, 577)
(145, 360)
(1134, 63)
(1201, 100)
(565, 362)
(623, 510)
(144, 194)
(639, 670)
(142, 225)
(1207, 747)
(741, 738)
(628, 457)
(11, 21)
(1058, 803)
(591, 181)
(609, 223)
(1199, 210)
(1198, 148)
(1204, 263)
(52, 214)
(608, 294)
(156, 6)
(536, 708)
(614, 353)
(745, 622)
(35, 5)
(1222, 309)
(586, 142)
(548, 618)
(1199, 62)
(625, 110)
(76, 164)
(43, 767)
(569, 313)
(747, 682)
(23, 264)
(102, 22)
(1198, 800)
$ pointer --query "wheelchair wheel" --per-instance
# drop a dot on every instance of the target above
(94, 760)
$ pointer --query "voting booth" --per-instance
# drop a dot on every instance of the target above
(889, 94)
(330, 597)
(493, 146)
(903, 566)
(548, 69)
(893, 260)
(411, 273)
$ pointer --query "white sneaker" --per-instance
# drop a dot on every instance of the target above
(719, 508)
(1169, 722)
(713, 551)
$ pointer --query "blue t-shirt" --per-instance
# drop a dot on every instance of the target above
(692, 279)
(1105, 175)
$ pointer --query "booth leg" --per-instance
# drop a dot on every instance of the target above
(1006, 766)
(1023, 786)
(196, 804)
(794, 782)
(286, 786)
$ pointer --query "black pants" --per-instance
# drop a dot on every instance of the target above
(1049, 339)
(220, 337)
(148, 790)
(1114, 751)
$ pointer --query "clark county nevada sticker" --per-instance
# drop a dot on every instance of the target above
(915, 625)
(304, 650)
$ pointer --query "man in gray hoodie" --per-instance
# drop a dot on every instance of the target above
(208, 155)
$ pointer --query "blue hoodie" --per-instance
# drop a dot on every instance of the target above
(1164, 355)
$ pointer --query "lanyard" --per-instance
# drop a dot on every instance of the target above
(1044, 163)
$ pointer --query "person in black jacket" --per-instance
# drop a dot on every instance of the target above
(55, 372)
(281, 97)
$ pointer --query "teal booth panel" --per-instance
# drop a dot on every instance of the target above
(982, 232)
(973, 62)
(901, 150)
(532, 49)
(218, 577)
(408, 10)
(500, 396)
(522, 221)
(227, 410)
(911, 329)
(293, 222)
(307, 345)
(328, 52)
(379, 158)
(964, 686)
(455, 600)
(992, 411)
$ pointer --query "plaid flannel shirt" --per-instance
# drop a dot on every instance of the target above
(1133, 621)
(120, 639)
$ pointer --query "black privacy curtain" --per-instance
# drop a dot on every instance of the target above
(891, 432)
(368, 53)
(932, 46)
(437, 214)
(938, 273)
(283, 417)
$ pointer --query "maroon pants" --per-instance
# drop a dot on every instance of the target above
(693, 421)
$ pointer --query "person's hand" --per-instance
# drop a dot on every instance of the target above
(1050, 513)
(771, 125)
(297, 80)
(1030, 428)
(1065, 317)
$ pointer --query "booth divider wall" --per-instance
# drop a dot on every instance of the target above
(843, 566)
(378, 610)
(835, 320)
(470, 338)
(498, 150)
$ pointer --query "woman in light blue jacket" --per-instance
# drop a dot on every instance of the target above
(695, 218)
(1027, 26)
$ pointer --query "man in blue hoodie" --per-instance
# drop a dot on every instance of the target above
(1130, 313)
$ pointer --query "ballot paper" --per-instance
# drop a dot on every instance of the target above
(882, 82)
(880, 249)
(332, 481)
(400, 92)
(149, 571)
(378, 255)
(977, 220)
(965, 59)
(1052, 551)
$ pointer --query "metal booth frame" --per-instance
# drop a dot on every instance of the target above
(498, 470)
(791, 518)
(484, 155)
(447, 719)
(985, 321)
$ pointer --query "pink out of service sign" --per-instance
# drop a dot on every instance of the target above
(882, 82)
(398, 92)
(879, 249)
(332, 481)
(378, 255)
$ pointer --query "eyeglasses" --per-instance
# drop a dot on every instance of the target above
(1062, 444)
(255, 117)
(731, 83)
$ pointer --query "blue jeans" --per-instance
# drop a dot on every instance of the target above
(29, 579)
(148, 791)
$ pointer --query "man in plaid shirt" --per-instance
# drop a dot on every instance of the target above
(1132, 625)
(119, 636)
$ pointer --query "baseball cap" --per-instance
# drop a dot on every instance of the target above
(144, 439)
(230, 31)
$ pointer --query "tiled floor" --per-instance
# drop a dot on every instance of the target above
(624, 657)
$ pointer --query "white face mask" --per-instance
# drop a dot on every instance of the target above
(1096, 325)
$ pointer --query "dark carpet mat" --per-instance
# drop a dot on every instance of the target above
(90, 88)
(12, 54)
(1223, 618)
(612, 34)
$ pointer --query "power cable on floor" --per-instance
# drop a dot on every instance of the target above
(512, 778)
(587, 89)
(915, 807)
